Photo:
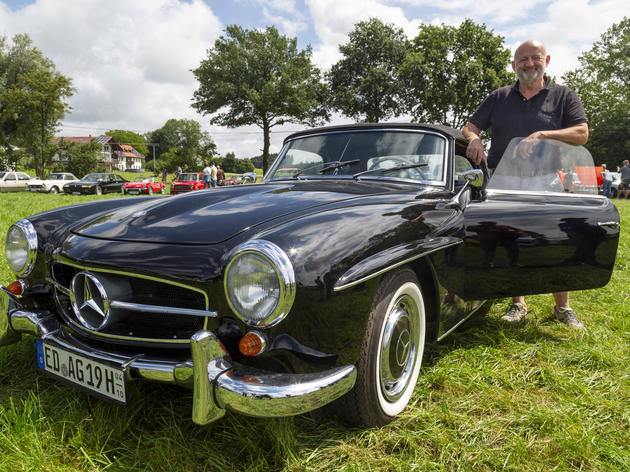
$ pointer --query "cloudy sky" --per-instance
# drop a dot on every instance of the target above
(130, 61)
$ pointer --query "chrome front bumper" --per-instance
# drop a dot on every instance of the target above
(217, 382)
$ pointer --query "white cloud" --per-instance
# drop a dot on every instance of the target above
(333, 20)
(130, 61)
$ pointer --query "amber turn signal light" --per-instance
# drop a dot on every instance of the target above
(16, 288)
(252, 344)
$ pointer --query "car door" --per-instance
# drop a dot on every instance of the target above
(530, 236)
(10, 182)
(22, 179)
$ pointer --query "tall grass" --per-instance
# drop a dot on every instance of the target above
(537, 396)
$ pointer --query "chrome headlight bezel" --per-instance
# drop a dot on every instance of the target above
(281, 264)
(30, 238)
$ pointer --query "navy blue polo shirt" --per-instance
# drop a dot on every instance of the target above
(510, 115)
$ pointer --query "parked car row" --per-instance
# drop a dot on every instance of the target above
(99, 183)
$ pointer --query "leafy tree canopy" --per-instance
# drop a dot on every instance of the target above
(259, 77)
(37, 98)
(602, 82)
(451, 70)
(129, 137)
(16, 58)
(79, 158)
(180, 143)
(364, 83)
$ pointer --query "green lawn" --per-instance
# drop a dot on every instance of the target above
(533, 397)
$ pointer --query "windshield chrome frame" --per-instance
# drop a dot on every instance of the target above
(375, 176)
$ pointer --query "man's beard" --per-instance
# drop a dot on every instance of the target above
(532, 75)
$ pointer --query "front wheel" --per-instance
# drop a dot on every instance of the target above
(150, 192)
(54, 190)
(99, 190)
(391, 355)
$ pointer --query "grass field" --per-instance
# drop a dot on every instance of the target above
(533, 397)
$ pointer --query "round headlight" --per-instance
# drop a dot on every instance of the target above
(21, 248)
(260, 283)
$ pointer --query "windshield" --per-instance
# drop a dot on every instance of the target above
(545, 165)
(187, 177)
(2, 174)
(351, 152)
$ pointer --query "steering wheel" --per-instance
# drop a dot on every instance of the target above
(399, 161)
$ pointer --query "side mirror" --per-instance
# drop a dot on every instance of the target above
(473, 177)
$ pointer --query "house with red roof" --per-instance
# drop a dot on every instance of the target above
(113, 156)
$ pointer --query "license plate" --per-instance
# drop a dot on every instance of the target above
(32, 190)
(134, 192)
(76, 193)
(94, 376)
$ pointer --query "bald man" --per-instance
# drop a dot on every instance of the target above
(533, 107)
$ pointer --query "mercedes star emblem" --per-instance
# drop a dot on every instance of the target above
(89, 301)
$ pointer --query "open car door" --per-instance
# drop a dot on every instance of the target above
(531, 234)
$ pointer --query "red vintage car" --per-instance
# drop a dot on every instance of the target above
(187, 182)
(143, 185)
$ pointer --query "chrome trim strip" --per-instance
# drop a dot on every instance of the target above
(30, 234)
(58, 286)
(472, 312)
(393, 266)
(609, 224)
(491, 191)
(284, 271)
(161, 309)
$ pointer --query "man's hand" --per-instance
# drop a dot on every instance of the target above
(475, 151)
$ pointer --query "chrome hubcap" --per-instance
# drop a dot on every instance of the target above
(398, 348)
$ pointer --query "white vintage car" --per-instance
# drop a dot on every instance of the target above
(13, 181)
(53, 184)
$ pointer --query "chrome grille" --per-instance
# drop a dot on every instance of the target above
(142, 308)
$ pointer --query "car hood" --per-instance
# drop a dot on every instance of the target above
(212, 216)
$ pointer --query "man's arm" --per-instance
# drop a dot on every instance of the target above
(576, 135)
(475, 151)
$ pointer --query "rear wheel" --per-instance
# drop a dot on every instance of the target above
(99, 190)
(54, 190)
(391, 355)
(163, 190)
(150, 192)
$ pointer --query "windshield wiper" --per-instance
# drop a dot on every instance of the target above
(336, 165)
(339, 164)
(389, 169)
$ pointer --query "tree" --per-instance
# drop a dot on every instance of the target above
(16, 59)
(131, 138)
(451, 70)
(80, 158)
(179, 143)
(364, 83)
(37, 99)
(602, 82)
(254, 77)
